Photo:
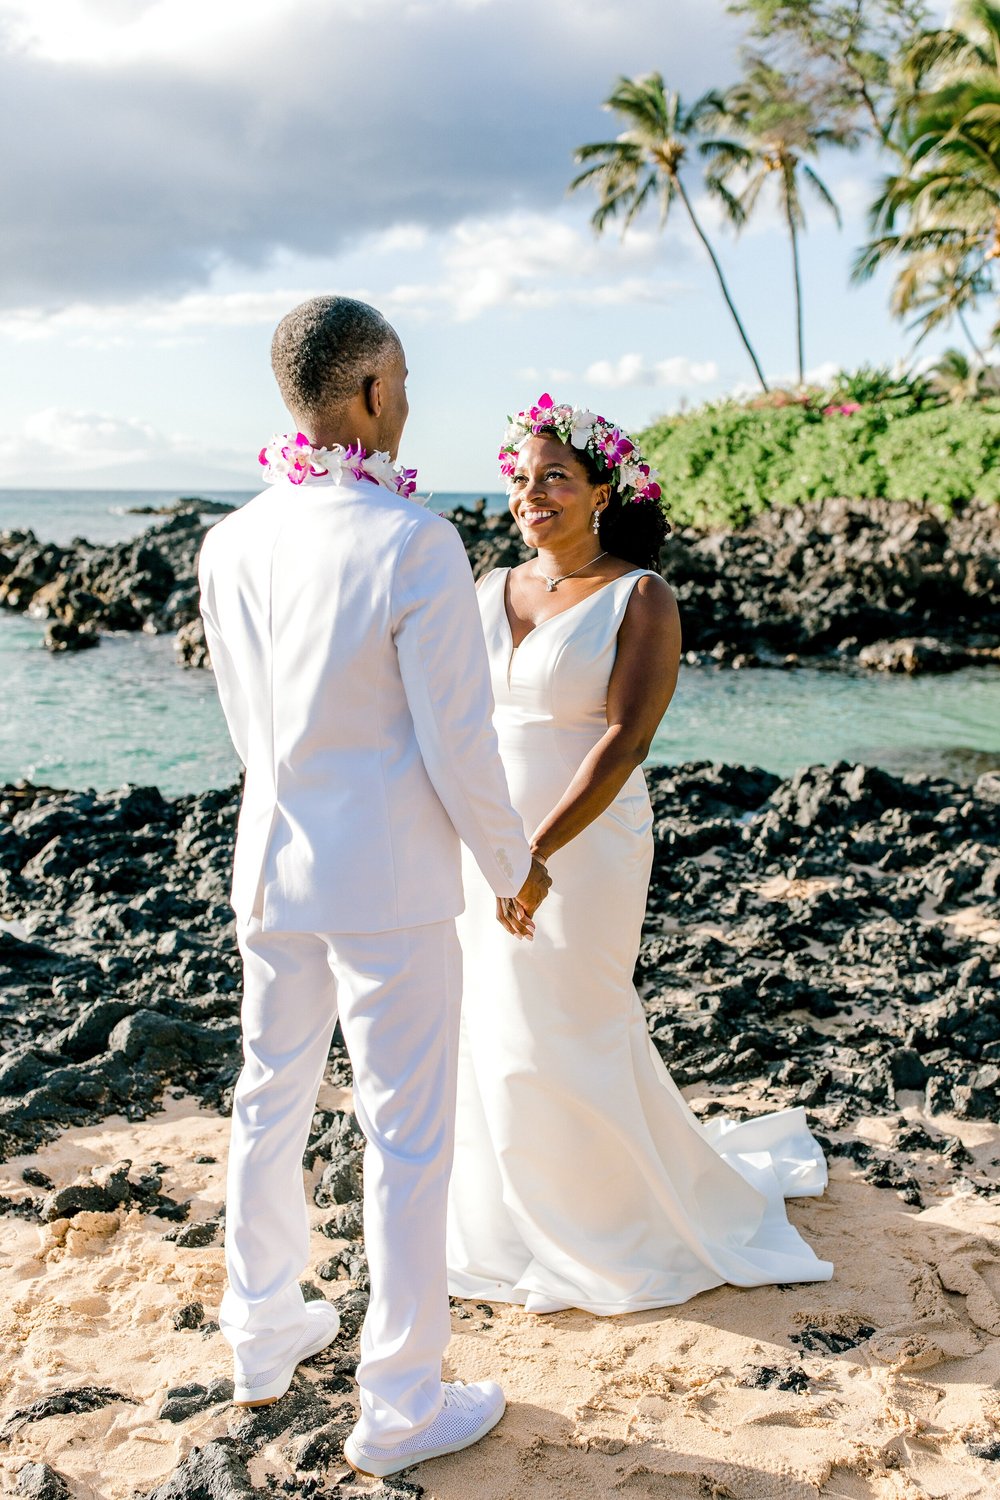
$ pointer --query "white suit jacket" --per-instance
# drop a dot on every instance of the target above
(349, 655)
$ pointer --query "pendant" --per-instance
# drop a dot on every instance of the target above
(550, 584)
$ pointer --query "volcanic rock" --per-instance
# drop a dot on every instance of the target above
(882, 585)
(801, 941)
(39, 1482)
(186, 1401)
(215, 1472)
(68, 636)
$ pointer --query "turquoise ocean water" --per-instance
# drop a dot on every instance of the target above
(126, 712)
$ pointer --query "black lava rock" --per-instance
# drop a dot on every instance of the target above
(771, 1377)
(799, 945)
(215, 1472)
(39, 1482)
(81, 1399)
(191, 1315)
(184, 1401)
(989, 1450)
(825, 1341)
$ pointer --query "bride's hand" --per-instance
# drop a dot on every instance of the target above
(512, 915)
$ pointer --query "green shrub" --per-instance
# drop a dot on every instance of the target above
(725, 463)
(944, 456)
(871, 384)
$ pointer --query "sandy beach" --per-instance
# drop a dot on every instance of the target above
(881, 1385)
(828, 941)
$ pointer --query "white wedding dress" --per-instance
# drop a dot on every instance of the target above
(581, 1176)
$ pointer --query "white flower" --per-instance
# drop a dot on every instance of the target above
(333, 459)
(379, 467)
(582, 428)
(629, 475)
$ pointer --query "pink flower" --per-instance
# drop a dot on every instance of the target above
(299, 456)
(406, 482)
(353, 460)
(615, 446)
(542, 412)
(614, 451)
(846, 409)
(293, 457)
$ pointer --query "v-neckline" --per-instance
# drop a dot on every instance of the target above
(516, 645)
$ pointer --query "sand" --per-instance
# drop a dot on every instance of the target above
(870, 1387)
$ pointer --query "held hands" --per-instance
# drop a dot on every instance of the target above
(515, 912)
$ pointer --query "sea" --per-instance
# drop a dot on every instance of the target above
(126, 713)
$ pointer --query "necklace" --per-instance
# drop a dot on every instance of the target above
(552, 583)
(293, 456)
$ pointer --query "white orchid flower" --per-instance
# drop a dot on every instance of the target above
(379, 466)
(582, 428)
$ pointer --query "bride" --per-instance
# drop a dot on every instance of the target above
(581, 1177)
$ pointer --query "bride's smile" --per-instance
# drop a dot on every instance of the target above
(552, 498)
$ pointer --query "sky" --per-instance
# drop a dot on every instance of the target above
(180, 173)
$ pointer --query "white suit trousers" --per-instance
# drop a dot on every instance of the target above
(397, 994)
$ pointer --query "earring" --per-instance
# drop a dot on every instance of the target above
(597, 523)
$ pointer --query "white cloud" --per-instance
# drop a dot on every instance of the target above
(820, 374)
(87, 321)
(637, 370)
(408, 237)
(53, 443)
(526, 261)
(230, 132)
(531, 261)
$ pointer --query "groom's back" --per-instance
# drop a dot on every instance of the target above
(340, 824)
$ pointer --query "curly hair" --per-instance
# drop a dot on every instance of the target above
(630, 530)
(325, 349)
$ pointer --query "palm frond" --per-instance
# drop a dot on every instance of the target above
(733, 206)
(821, 190)
(752, 190)
(726, 156)
(640, 197)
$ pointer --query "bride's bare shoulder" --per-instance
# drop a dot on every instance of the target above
(652, 599)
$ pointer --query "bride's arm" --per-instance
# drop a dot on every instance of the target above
(641, 686)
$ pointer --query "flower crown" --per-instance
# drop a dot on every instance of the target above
(614, 452)
(292, 456)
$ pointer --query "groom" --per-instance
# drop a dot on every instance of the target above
(345, 636)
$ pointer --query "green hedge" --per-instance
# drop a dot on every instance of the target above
(723, 464)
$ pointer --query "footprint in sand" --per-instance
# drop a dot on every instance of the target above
(974, 1273)
(937, 1332)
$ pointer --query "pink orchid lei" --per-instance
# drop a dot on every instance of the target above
(292, 456)
(614, 451)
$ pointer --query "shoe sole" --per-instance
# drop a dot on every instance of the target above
(396, 1466)
(274, 1396)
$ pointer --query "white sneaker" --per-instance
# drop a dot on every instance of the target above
(469, 1412)
(263, 1389)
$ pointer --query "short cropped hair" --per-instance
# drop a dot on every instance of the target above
(325, 349)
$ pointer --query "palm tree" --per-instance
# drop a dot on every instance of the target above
(645, 164)
(776, 129)
(955, 376)
(949, 54)
(940, 215)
